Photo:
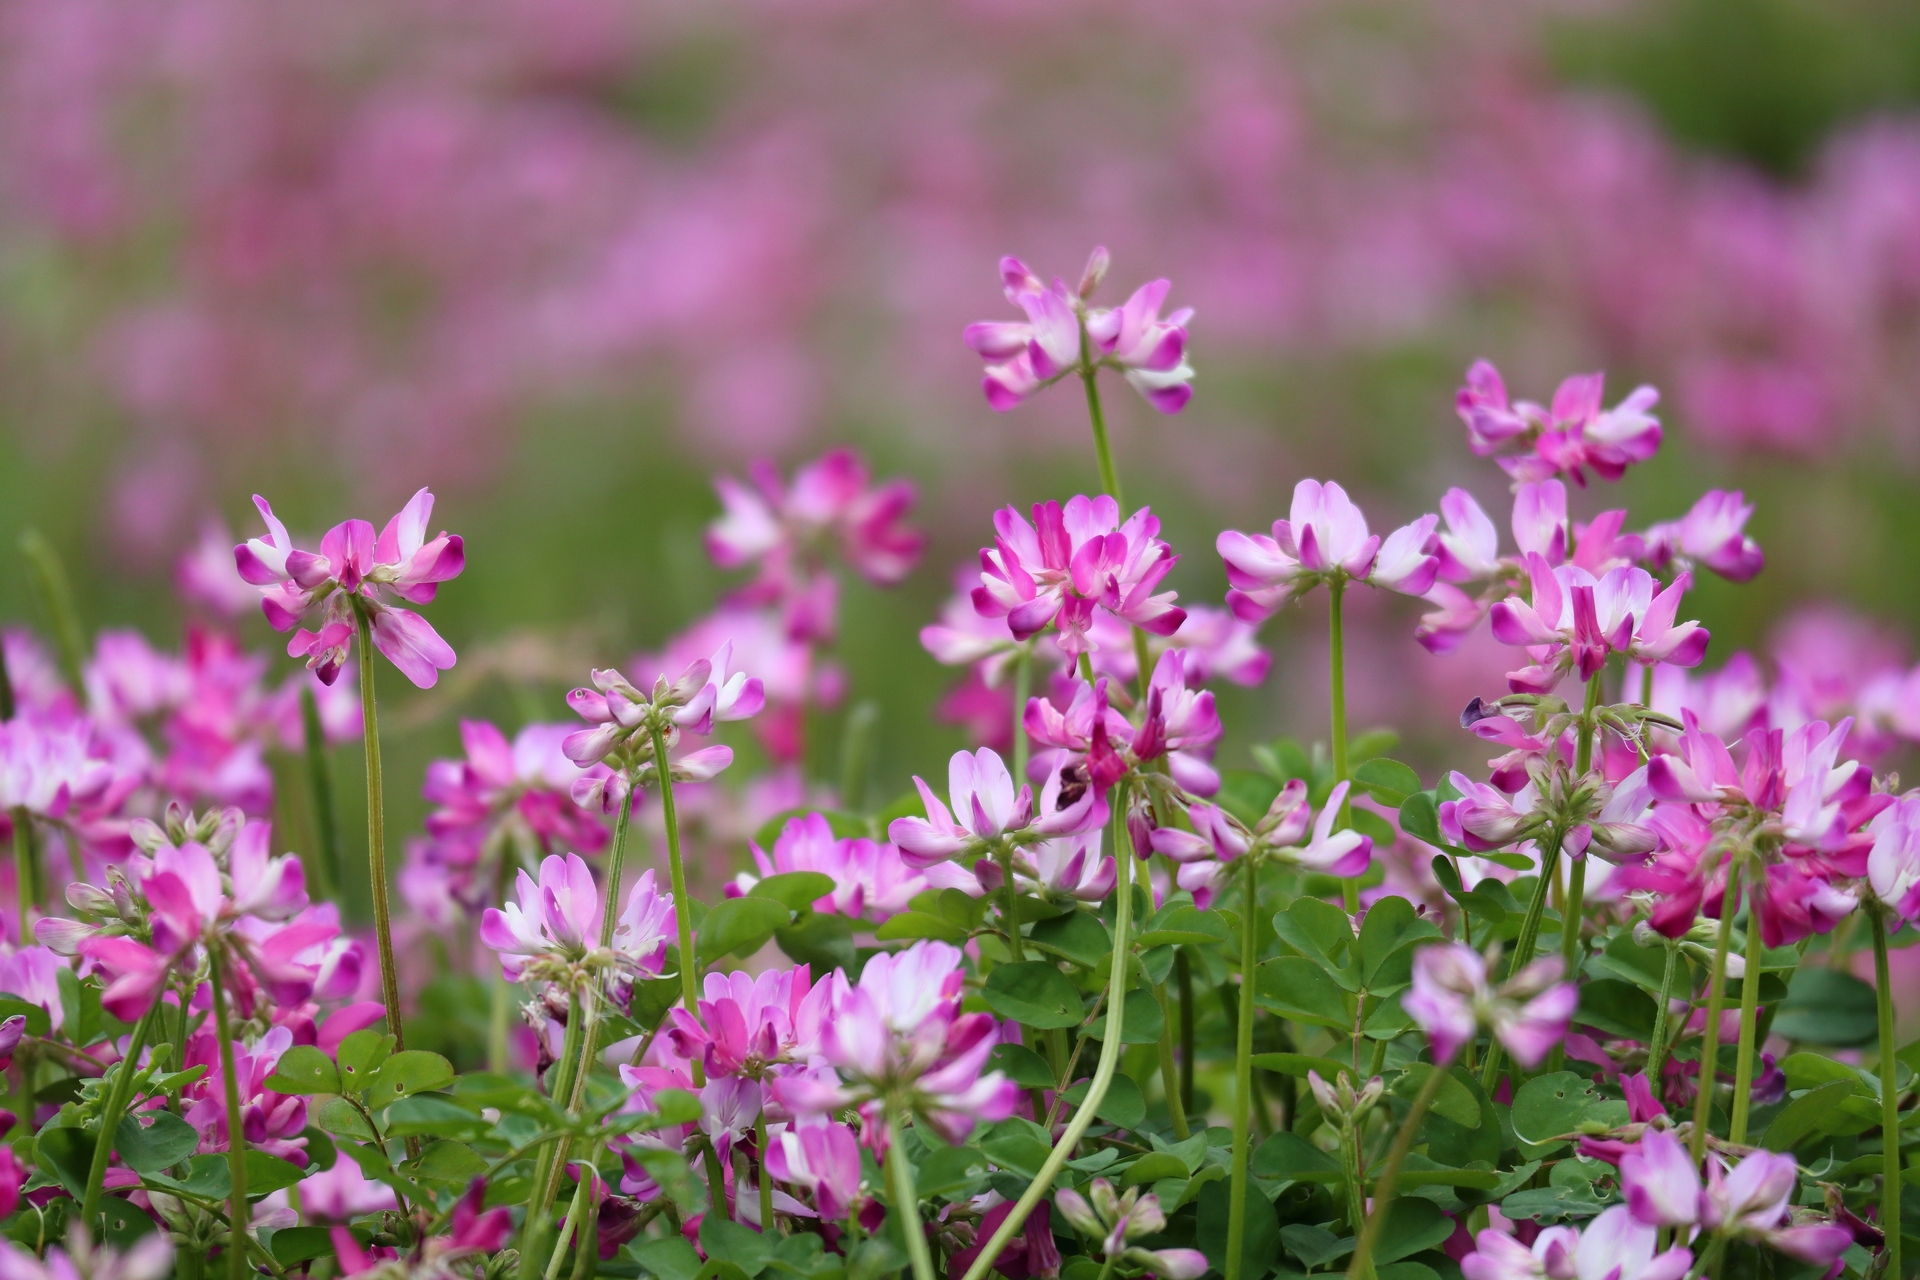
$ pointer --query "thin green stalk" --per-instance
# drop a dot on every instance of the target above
(1022, 691)
(906, 1203)
(534, 1229)
(499, 1023)
(377, 826)
(6, 687)
(575, 1211)
(1183, 975)
(326, 830)
(1526, 943)
(1110, 1047)
(1657, 1051)
(24, 858)
(689, 967)
(56, 597)
(1337, 703)
(1243, 1069)
(110, 1116)
(856, 753)
(237, 1212)
(1169, 1069)
(1716, 998)
(1396, 1156)
(766, 1183)
(1354, 1176)
(1577, 870)
(1016, 950)
(1109, 477)
(1749, 1004)
(1890, 1178)
(1143, 659)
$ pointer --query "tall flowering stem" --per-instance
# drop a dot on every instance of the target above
(1749, 1019)
(116, 1107)
(24, 859)
(1577, 872)
(1337, 704)
(1022, 690)
(377, 826)
(1890, 1179)
(689, 977)
(545, 1182)
(1396, 1156)
(1657, 1051)
(1243, 1070)
(1109, 1055)
(1716, 1001)
(907, 1202)
(1109, 475)
(1525, 945)
(320, 789)
(237, 1212)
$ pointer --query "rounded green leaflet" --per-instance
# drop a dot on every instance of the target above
(304, 1069)
(920, 924)
(1555, 1105)
(407, 1073)
(1035, 993)
(739, 925)
(154, 1140)
(796, 890)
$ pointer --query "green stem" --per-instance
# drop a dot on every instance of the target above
(1143, 659)
(1169, 1069)
(56, 596)
(1183, 975)
(237, 1212)
(1749, 1002)
(1243, 1068)
(1337, 703)
(582, 1193)
(1525, 944)
(110, 1117)
(1890, 1179)
(377, 826)
(6, 687)
(23, 877)
(766, 1183)
(1657, 1051)
(1354, 1176)
(1103, 1073)
(906, 1203)
(1716, 999)
(499, 1023)
(1570, 920)
(1109, 477)
(1022, 691)
(683, 913)
(320, 789)
(534, 1229)
(1396, 1156)
(1016, 950)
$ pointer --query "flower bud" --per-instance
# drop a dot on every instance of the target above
(1096, 271)
(90, 899)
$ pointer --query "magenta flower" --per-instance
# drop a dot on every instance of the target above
(990, 813)
(823, 1159)
(748, 1026)
(1614, 1246)
(549, 931)
(1063, 868)
(150, 1258)
(1753, 1203)
(1071, 561)
(272, 1122)
(1485, 818)
(473, 1233)
(1451, 1000)
(1713, 534)
(1031, 1251)
(870, 879)
(1893, 865)
(1565, 438)
(1574, 621)
(1217, 837)
(622, 722)
(1324, 540)
(523, 785)
(784, 530)
(1181, 724)
(355, 565)
(1062, 335)
(1660, 1180)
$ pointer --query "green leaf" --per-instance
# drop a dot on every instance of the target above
(820, 939)
(1454, 1100)
(409, 1072)
(1389, 781)
(1811, 1070)
(1298, 1064)
(304, 1069)
(1422, 1172)
(1551, 1106)
(1259, 1247)
(1318, 930)
(1617, 1008)
(65, 1155)
(1314, 1247)
(1806, 1115)
(948, 1170)
(1420, 818)
(1287, 1156)
(1142, 1023)
(294, 1245)
(1034, 993)
(1391, 926)
(342, 1119)
(795, 890)
(125, 1223)
(153, 1140)
(207, 1177)
(267, 1174)
(920, 924)
(437, 1116)
(673, 1107)
(1124, 1106)
(1152, 1167)
(1077, 936)
(1372, 825)
(38, 1022)
(873, 1259)
(1645, 967)
(671, 1258)
(1022, 1066)
(739, 926)
(359, 1056)
(1412, 1226)
(1247, 795)
(1827, 1007)
(1297, 988)
(652, 997)
(449, 1163)
(1182, 924)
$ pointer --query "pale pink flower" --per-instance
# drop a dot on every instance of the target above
(1574, 621)
(870, 879)
(987, 811)
(1660, 1181)
(1893, 865)
(1753, 1202)
(1613, 1246)
(1067, 867)
(1324, 539)
(355, 564)
(1451, 1000)
(1565, 438)
(1713, 534)
(822, 1159)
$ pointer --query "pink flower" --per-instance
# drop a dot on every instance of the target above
(1067, 867)
(749, 1025)
(1181, 724)
(1574, 621)
(556, 919)
(150, 1258)
(822, 1159)
(1324, 540)
(471, 1233)
(623, 720)
(870, 879)
(1451, 1000)
(1113, 1219)
(522, 786)
(1023, 358)
(272, 1122)
(1752, 1203)
(1069, 562)
(1485, 818)
(1893, 866)
(355, 565)
(1031, 1252)
(1614, 1246)
(1567, 437)
(343, 1192)
(1660, 1181)
(1712, 534)
(989, 812)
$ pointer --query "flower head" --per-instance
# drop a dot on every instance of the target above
(1110, 1220)
(987, 813)
(1325, 539)
(1565, 438)
(1452, 999)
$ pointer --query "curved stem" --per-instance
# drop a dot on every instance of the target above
(1354, 1176)
(1396, 1156)
(377, 827)
(1526, 943)
(1243, 1069)
(1749, 1002)
(1170, 1070)
(236, 1134)
(1109, 477)
(575, 1211)
(116, 1106)
(1657, 1051)
(1109, 1055)
(1716, 998)
(1337, 703)
(1890, 1180)
(906, 1203)
(534, 1229)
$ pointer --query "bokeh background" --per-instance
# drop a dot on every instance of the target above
(564, 259)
